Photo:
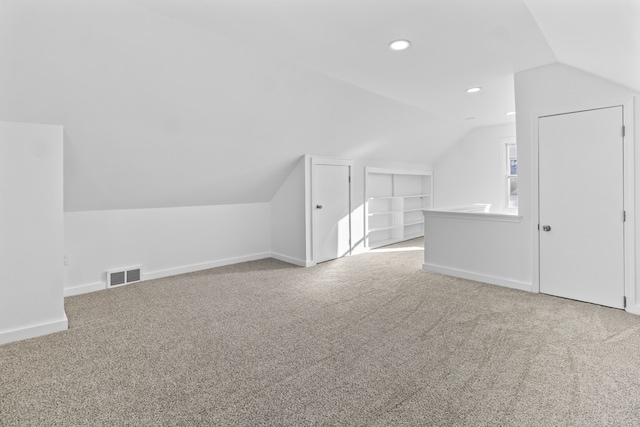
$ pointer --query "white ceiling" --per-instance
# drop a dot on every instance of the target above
(456, 43)
(202, 102)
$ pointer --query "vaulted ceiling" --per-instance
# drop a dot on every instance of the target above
(196, 102)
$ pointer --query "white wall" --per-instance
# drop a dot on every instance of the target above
(164, 241)
(288, 218)
(482, 247)
(169, 241)
(556, 88)
(473, 171)
(31, 291)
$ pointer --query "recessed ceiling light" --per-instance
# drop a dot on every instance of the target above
(510, 113)
(474, 89)
(400, 45)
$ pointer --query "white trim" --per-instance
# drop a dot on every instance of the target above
(360, 250)
(369, 169)
(629, 207)
(535, 204)
(628, 106)
(315, 161)
(34, 331)
(291, 260)
(99, 286)
(85, 289)
(492, 280)
(204, 266)
(308, 230)
(632, 308)
(476, 216)
(577, 108)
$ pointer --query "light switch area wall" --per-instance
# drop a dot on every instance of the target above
(31, 226)
(473, 171)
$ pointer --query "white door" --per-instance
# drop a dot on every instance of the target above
(581, 206)
(331, 211)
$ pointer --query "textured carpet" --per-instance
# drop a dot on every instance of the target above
(367, 340)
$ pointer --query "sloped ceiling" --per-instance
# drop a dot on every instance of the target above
(198, 102)
(601, 37)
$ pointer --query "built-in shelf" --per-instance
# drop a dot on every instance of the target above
(394, 203)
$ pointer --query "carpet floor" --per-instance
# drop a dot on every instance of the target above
(366, 340)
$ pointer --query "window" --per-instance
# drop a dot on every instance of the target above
(511, 167)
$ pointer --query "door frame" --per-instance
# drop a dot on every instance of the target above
(628, 192)
(329, 161)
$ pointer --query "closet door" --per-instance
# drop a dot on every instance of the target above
(581, 206)
(331, 211)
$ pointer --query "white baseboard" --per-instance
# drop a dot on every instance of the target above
(98, 286)
(34, 331)
(493, 280)
(203, 266)
(291, 260)
(84, 289)
(359, 250)
(633, 309)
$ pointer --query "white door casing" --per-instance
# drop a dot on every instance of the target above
(331, 208)
(581, 200)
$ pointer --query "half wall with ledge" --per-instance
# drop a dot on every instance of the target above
(471, 242)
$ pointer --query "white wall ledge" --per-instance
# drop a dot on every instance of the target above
(475, 216)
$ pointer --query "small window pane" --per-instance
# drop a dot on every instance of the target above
(513, 186)
(511, 166)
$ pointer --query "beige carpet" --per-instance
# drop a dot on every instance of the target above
(368, 340)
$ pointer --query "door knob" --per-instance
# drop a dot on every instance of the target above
(546, 228)
(318, 206)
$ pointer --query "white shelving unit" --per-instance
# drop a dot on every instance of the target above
(394, 203)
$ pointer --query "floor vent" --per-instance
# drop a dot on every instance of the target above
(122, 277)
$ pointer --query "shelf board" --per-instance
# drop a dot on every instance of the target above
(408, 196)
(384, 197)
(415, 209)
(413, 223)
(381, 213)
(386, 227)
(416, 195)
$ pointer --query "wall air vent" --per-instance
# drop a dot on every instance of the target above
(133, 275)
(123, 276)
(116, 278)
